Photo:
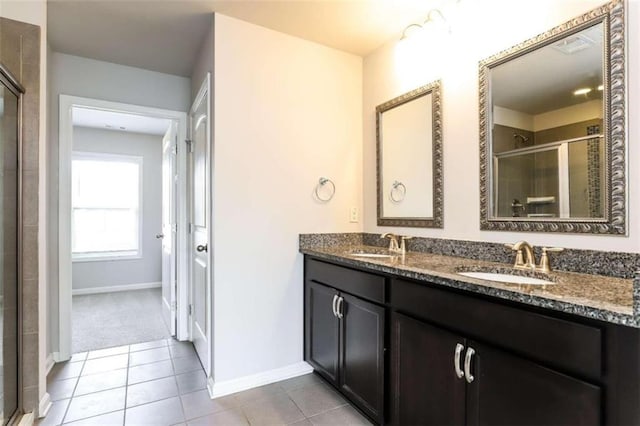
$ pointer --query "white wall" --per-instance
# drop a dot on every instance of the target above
(287, 111)
(76, 76)
(35, 12)
(481, 29)
(204, 62)
(148, 269)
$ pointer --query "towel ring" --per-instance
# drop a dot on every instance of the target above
(321, 183)
(399, 187)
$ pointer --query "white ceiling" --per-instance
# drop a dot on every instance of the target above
(110, 120)
(165, 35)
(545, 79)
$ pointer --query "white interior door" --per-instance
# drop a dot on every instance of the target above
(169, 227)
(200, 250)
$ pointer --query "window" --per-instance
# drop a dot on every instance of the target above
(106, 203)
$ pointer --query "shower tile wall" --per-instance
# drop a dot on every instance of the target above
(20, 53)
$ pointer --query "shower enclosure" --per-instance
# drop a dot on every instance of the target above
(10, 240)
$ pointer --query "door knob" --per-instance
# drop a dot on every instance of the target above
(202, 247)
(159, 236)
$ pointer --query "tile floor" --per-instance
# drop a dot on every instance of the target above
(162, 383)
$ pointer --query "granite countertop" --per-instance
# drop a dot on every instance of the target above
(604, 298)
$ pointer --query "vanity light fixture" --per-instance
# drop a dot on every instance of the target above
(582, 91)
(409, 30)
(601, 87)
(435, 19)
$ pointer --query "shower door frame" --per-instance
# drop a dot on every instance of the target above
(13, 85)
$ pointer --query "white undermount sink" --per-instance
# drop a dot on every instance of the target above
(382, 254)
(506, 278)
(374, 255)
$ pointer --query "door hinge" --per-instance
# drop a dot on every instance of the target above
(175, 150)
(174, 306)
(191, 228)
(189, 143)
(190, 310)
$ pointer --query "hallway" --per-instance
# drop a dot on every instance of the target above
(114, 319)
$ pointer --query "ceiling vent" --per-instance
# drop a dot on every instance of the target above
(574, 43)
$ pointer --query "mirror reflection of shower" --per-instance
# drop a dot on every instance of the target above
(524, 141)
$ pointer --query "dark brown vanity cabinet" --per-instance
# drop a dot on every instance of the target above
(344, 333)
(460, 358)
(442, 378)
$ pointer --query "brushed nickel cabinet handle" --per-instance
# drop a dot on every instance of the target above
(159, 236)
(467, 364)
(339, 307)
(335, 312)
(456, 361)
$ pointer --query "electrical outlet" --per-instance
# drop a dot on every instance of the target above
(353, 215)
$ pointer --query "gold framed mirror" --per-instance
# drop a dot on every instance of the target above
(552, 129)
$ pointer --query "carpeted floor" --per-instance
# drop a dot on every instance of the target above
(116, 319)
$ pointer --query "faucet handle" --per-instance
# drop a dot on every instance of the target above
(544, 259)
(519, 255)
(403, 245)
(552, 249)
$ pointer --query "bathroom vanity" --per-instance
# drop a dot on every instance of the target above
(411, 341)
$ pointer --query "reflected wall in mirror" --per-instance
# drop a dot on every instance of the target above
(552, 129)
(409, 147)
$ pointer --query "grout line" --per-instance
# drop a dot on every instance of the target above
(97, 415)
(126, 389)
(66, 411)
(184, 412)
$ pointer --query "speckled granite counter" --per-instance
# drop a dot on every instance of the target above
(604, 298)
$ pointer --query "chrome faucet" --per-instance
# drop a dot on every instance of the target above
(527, 261)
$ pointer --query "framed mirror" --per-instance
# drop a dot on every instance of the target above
(409, 151)
(552, 129)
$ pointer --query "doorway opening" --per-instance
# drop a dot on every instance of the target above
(117, 208)
(122, 218)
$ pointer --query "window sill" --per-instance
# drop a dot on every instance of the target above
(105, 257)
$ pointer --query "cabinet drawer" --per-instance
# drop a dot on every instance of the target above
(368, 286)
(557, 342)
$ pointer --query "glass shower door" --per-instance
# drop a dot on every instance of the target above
(9, 298)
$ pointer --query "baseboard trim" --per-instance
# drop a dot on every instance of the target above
(114, 288)
(26, 420)
(227, 387)
(44, 405)
(49, 363)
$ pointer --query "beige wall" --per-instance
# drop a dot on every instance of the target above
(480, 30)
(287, 111)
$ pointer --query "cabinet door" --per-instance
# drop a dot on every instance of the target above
(509, 390)
(322, 330)
(424, 386)
(362, 354)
